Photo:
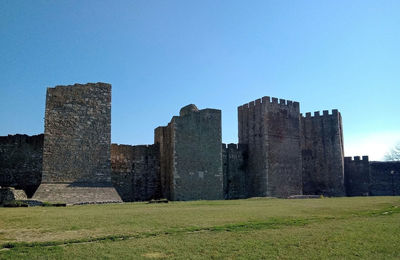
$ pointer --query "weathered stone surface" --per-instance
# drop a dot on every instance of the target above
(187, 110)
(21, 162)
(322, 154)
(77, 139)
(385, 178)
(234, 158)
(9, 194)
(136, 171)
(271, 129)
(357, 176)
(280, 154)
(191, 155)
(371, 178)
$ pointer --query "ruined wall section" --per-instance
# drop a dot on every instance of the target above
(136, 171)
(271, 129)
(234, 158)
(164, 138)
(385, 178)
(322, 154)
(77, 140)
(253, 134)
(77, 134)
(191, 155)
(21, 162)
(9, 194)
(357, 176)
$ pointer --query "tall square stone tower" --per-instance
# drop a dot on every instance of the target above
(77, 140)
(191, 155)
(322, 154)
(271, 130)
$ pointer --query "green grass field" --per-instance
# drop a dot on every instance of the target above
(337, 228)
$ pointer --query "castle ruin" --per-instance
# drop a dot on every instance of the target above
(279, 153)
(76, 149)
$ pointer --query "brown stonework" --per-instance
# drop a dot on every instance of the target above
(77, 139)
(280, 154)
(271, 129)
(9, 194)
(136, 171)
(322, 154)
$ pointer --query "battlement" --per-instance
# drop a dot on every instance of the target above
(317, 114)
(270, 101)
(128, 145)
(22, 139)
(233, 146)
(230, 146)
(356, 158)
(77, 85)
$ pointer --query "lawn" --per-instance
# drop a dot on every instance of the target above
(336, 228)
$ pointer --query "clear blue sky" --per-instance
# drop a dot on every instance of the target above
(162, 55)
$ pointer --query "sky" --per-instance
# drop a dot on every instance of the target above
(162, 55)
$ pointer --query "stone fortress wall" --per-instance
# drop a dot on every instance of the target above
(135, 171)
(384, 179)
(21, 162)
(271, 130)
(280, 153)
(322, 154)
(371, 178)
(191, 159)
(234, 159)
(357, 176)
(76, 148)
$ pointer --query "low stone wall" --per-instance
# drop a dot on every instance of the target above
(234, 158)
(385, 178)
(21, 162)
(136, 171)
(9, 194)
(357, 176)
(76, 194)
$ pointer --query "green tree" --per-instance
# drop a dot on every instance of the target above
(394, 153)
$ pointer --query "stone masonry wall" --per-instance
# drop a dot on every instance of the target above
(10, 194)
(192, 167)
(164, 139)
(21, 162)
(357, 176)
(234, 158)
(322, 154)
(77, 139)
(385, 178)
(136, 171)
(271, 129)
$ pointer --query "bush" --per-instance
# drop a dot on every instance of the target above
(53, 204)
(14, 204)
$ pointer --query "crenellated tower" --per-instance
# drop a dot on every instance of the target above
(322, 154)
(271, 130)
